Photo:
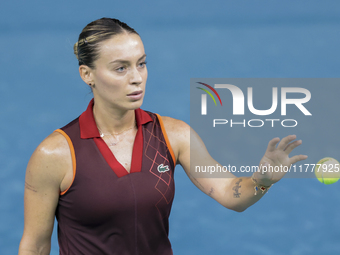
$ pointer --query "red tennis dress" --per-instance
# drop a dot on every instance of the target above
(107, 210)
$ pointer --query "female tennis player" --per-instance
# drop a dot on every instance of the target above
(107, 176)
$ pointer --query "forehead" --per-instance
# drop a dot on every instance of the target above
(126, 46)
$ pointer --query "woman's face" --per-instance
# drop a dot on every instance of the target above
(120, 72)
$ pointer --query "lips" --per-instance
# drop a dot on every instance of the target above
(135, 93)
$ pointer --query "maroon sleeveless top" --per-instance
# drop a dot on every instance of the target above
(107, 210)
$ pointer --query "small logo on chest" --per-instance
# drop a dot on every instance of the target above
(162, 169)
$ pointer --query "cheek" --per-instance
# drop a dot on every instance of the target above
(108, 81)
(145, 75)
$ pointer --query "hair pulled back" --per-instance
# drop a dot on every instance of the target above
(87, 47)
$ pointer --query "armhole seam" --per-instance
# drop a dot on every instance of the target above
(73, 155)
(166, 138)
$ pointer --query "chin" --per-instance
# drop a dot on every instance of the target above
(135, 105)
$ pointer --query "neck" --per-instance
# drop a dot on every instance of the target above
(111, 120)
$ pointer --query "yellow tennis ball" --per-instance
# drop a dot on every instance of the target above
(327, 170)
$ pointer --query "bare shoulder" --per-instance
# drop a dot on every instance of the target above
(54, 147)
(50, 161)
(178, 133)
(175, 126)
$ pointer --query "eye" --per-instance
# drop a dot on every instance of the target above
(142, 64)
(120, 69)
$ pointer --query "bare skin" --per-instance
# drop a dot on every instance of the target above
(119, 71)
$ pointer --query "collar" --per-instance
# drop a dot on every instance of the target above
(88, 126)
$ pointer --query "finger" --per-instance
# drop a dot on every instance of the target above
(290, 147)
(285, 141)
(272, 144)
(297, 158)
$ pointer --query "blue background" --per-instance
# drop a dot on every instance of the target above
(40, 90)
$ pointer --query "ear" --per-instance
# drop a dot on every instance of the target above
(86, 74)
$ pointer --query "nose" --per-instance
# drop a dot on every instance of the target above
(136, 77)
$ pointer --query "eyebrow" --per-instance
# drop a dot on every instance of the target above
(126, 61)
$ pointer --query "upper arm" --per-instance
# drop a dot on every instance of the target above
(44, 175)
(190, 151)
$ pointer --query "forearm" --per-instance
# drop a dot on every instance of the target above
(242, 192)
(23, 251)
(28, 247)
(27, 251)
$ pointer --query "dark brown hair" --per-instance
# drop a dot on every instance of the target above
(87, 47)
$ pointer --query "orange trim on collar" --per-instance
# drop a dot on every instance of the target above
(88, 126)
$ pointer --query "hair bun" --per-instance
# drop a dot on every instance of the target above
(75, 50)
